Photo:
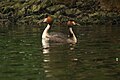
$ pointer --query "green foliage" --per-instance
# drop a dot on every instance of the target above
(55, 8)
(72, 11)
(110, 4)
(33, 10)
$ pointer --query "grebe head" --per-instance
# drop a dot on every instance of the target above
(48, 20)
(72, 23)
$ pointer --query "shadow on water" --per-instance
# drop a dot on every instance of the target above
(95, 56)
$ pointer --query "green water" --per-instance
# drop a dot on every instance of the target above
(96, 56)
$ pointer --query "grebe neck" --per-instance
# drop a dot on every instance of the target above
(72, 35)
(45, 32)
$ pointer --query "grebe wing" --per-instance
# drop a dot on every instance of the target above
(58, 37)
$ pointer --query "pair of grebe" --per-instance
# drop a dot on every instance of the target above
(57, 37)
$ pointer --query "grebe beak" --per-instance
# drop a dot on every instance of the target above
(40, 21)
(43, 20)
(74, 23)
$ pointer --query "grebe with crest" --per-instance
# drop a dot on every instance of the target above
(57, 37)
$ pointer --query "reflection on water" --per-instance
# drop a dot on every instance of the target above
(46, 50)
(95, 57)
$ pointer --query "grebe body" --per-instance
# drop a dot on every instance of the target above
(57, 37)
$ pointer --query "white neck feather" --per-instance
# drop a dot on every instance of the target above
(45, 32)
(45, 37)
(74, 37)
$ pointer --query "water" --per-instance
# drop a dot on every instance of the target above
(96, 56)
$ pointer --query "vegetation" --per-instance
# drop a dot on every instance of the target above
(84, 11)
(113, 5)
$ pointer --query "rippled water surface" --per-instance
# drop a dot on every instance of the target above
(96, 56)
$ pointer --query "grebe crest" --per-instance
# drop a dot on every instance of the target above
(71, 23)
(48, 20)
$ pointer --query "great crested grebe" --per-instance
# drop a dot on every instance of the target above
(57, 37)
